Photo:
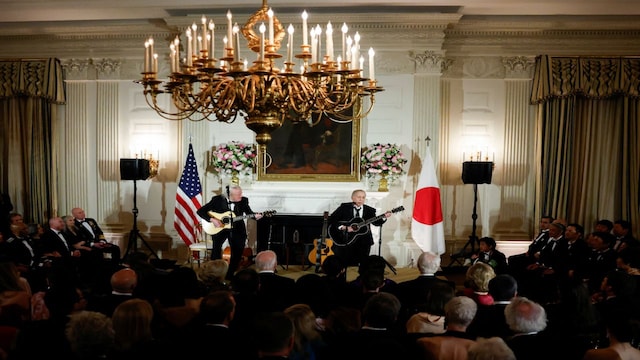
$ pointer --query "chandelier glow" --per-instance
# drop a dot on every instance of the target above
(265, 95)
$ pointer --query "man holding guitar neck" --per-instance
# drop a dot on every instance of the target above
(352, 244)
(234, 204)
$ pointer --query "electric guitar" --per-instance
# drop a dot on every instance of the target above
(359, 226)
(321, 247)
(227, 218)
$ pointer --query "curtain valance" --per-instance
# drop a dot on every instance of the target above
(591, 77)
(41, 78)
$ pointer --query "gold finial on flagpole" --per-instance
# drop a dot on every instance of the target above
(427, 139)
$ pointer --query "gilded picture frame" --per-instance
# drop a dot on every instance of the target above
(327, 151)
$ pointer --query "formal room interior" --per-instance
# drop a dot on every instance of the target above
(538, 102)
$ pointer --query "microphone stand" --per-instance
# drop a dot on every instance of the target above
(232, 214)
(393, 269)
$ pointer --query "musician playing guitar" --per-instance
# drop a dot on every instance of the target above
(355, 244)
(236, 234)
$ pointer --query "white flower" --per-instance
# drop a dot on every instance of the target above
(384, 159)
(234, 157)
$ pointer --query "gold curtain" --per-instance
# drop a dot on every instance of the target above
(30, 91)
(588, 114)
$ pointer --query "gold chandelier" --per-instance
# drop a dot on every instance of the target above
(265, 95)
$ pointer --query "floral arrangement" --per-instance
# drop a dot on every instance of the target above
(234, 156)
(383, 159)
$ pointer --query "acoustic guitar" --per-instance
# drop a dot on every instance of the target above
(321, 247)
(359, 226)
(227, 218)
(246, 259)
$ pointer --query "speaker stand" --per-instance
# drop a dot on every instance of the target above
(134, 234)
(473, 238)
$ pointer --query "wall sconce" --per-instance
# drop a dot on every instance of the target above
(154, 164)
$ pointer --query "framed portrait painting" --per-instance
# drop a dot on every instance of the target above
(327, 151)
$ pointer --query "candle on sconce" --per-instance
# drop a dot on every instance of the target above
(329, 34)
(194, 47)
(371, 68)
(155, 63)
(262, 29)
(314, 43)
(349, 42)
(204, 33)
(290, 44)
(151, 52)
(176, 44)
(305, 39)
(236, 30)
(229, 29)
(146, 56)
(361, 66)
(344, 41)
(271, 30)
(212, 37)
(356, 47)
(188, 34)
(225, 40)
(172, 57)
(319, 43)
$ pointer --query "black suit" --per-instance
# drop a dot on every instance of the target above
(413, 293)
(63, 268)
(358, 250)
(275, 292)
(237, 234)
(97, 237)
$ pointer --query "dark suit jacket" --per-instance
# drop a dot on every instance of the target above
(413, 293)
(275, 292)
(490, 321)
(86, 234)
(219, 204)
(51, 242)
(344, 214)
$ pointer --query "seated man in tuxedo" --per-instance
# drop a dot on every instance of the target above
(91, 232)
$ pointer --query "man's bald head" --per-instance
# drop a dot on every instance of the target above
(124, 281)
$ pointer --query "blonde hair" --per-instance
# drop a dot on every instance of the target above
(304, 323)
(478, 277)
(213, 270)
(132, 323)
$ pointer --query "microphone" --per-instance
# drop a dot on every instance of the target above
(228, 194)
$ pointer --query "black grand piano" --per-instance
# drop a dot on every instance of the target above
(291, 236)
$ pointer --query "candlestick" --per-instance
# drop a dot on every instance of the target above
(319, 42)
(304, 28)
(371, 69)
(356, 47)
(212, 37)
(329, 33)
(229, 29)
(204, 33)
(314, 43)
(236, 30)
(176, 44)
(349, 42)
(194, 47)
(146, 56)
(270, 15)
(290, 44)
(262, 30)
(154, 68)
(344, 43)
(188, 34)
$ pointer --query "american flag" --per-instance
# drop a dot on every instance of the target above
(188, 201)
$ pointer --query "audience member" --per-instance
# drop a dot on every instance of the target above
(519, 262)
(488, 254)
(540, 282)
(431, 319)
(134, 339)
(275, 292)
(603, 225)
(490, 319)
(90, 335)
(380, 316)
(455, 342)
(91, 232)
(624, 236)
(493, 348)
(274, 335)
(620, 334)
(601, 260)
(527, 319)
(213, 274)
(123, 283)
(308, 341)
(577, 251)
(575, 319)
(413, 294)
(476, 283)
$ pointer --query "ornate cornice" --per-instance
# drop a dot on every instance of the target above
(518, 67)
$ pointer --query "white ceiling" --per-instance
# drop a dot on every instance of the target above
(91, 10)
